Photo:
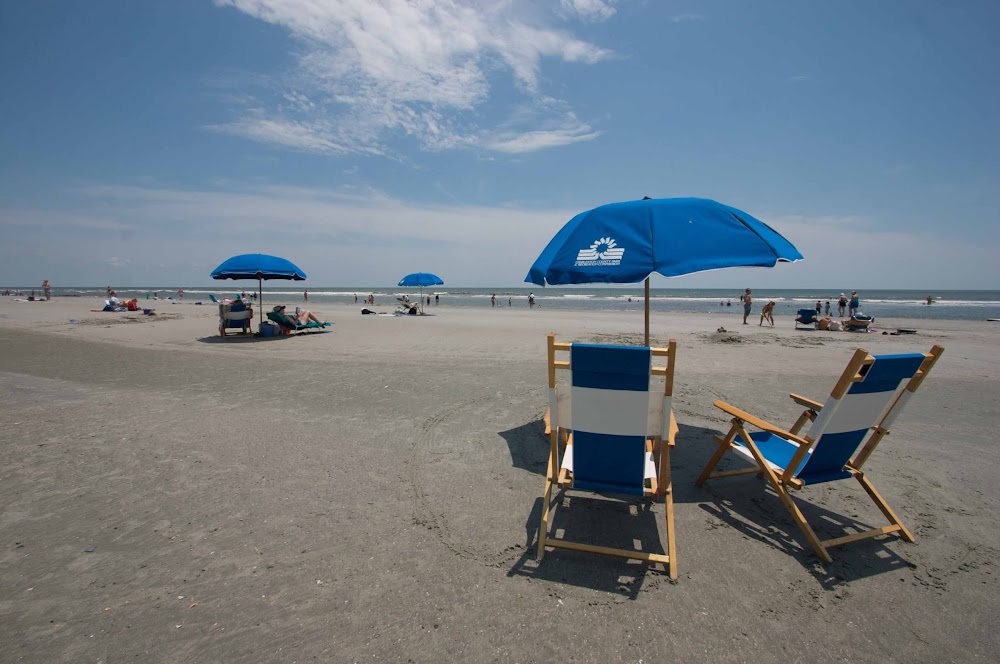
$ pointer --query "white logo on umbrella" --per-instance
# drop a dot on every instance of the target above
(604, 251)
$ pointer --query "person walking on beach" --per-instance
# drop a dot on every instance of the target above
(747, 305)
(493, 300)
(437, 299)
(767, 313)
(47, 288)
(841, 305)
(855, 303)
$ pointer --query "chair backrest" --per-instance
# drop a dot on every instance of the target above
(868, 397)
(806, 315)
(212, 298)
(281, 319)
(611, 411)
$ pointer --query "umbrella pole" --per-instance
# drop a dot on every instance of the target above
(260, 301)
(647, 311)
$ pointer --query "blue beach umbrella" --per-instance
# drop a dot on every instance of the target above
(625, 243)
(421, 279)
(260, 267)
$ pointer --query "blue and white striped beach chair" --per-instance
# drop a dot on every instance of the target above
(610, 431)
(860, 411)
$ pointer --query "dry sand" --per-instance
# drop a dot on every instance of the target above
(373, 493)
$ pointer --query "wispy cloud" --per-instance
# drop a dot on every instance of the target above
(590, 10)
(680, 18)
(356, 236)
(371, 70)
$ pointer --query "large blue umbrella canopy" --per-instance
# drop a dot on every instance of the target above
(625, 243)
(260, 267)
(421, 279)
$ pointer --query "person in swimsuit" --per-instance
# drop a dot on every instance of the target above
(747, 305)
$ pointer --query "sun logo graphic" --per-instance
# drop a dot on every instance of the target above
(604, 251)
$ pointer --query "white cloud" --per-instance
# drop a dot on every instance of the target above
(539, 140)
(368, 70)
(591, 10)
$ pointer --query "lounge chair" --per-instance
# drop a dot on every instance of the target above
(288, 325)
(235, 316)
(806, 317)
(862, 407)
(609, 432)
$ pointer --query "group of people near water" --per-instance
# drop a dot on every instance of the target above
(851, 305)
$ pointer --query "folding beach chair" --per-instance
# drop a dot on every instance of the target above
(862, 407)
(610, 432)
(806, 317)
(288, 325)
(234, 316)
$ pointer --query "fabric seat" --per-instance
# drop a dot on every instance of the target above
(610, 432)
(844, 432)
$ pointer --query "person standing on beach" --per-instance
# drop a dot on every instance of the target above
(493, 300)
(841, 305)
(855, 303)
(747, 305)
(531, 300)
(437, 299)
(819, 309)
(47, 287)
(826, 308)
(305, 296)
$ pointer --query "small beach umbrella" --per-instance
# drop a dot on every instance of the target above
(625, 243)
(260, 267)
(421, 279)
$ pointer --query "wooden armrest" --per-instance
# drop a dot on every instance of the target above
(763, 425)
(808, 403)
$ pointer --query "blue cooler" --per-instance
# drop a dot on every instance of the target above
(268, 330)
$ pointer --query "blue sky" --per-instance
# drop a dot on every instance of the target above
(144, 143)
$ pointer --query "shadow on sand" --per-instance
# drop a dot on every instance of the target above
(744, 503)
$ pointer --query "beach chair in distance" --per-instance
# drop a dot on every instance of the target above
(288, 325)
(844, 432)
(235, 316)
(610, 431)
(806, 317)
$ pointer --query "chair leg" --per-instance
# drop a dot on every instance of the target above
(904, 533)
(668, 503)
(724, 444)
(543, 527)
(782, 492)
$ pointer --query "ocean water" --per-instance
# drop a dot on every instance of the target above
(961, 305)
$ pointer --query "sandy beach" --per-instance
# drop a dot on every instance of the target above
(373, 494)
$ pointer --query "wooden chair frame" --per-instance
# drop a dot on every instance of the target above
(781, 483)
(660, 486)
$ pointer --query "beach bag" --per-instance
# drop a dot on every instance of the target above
(834, 326)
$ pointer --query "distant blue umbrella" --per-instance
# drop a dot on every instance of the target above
(625, 243)
(260, 267)
(421, 279)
